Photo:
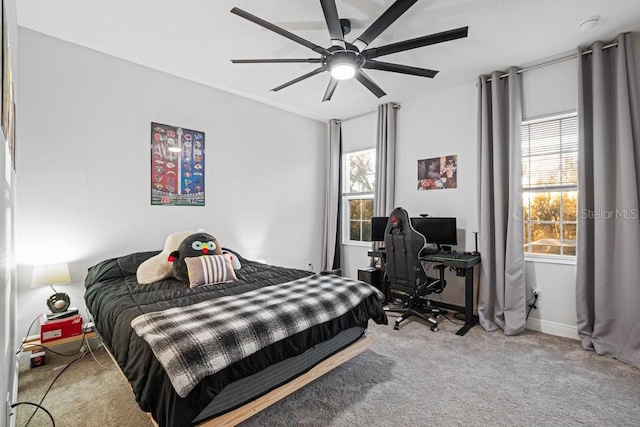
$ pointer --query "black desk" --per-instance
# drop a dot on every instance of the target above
(464, 267)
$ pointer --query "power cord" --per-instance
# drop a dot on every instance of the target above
(532, 305)
(94, 356)
(39, 404)
(81, 350)
(37, 407)
(27, 336)
(447, 317)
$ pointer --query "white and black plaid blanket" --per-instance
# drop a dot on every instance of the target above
(195, 341)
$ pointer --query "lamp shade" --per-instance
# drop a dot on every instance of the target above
(50, 274)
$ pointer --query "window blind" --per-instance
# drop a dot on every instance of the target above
(550, 154)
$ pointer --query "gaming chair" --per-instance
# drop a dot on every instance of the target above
(404, 271)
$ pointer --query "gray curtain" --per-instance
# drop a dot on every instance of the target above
(331, 240)
(607, 283)
(385, 159)
(385, 164)
(501, 290)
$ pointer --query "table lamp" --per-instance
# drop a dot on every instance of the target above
(53, 274)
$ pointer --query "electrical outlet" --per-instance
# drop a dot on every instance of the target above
(536, 293)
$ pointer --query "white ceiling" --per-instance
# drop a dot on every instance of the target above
(195, 39)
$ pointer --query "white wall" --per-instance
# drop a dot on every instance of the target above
(84, 178)
(8, 290)
(440, 125)
(8, 298)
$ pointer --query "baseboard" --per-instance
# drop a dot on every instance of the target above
(553, 328)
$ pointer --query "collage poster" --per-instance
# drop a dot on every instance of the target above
(438, 173)
(177, 166)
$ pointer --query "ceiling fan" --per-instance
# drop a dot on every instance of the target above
(346, 60)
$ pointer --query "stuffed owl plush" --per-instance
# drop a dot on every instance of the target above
(195, 245)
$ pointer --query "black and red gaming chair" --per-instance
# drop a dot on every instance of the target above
(404, 272)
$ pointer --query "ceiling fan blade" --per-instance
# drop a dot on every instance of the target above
(276, 61)
(298, 79)
(444, 36)
(397, 68)
(333, 22)
(276, 29)
(369, 84)
(330, 89)
(382, 23)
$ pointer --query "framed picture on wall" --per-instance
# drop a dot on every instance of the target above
(177, 166)
(438, 173)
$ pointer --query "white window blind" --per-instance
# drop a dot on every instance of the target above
(550, 153)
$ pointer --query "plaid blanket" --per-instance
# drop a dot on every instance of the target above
(195, 341)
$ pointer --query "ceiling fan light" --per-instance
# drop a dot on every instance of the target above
(343, 71)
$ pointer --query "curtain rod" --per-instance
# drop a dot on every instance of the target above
(395, 107)
(554, 61)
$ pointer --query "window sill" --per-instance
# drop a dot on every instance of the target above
(567, 260)
(359, 244)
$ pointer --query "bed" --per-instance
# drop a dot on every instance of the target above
(116, 301)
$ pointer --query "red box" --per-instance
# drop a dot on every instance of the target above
(52, 330)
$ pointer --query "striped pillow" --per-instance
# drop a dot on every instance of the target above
(209, 269)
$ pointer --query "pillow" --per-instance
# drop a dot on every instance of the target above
(209, 270)
(235, 262)
(159, 267)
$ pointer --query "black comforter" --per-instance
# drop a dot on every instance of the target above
(115, 298)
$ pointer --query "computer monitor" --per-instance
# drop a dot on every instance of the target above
(378, 225)
(441, 231)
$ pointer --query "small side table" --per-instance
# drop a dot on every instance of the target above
(36, 345)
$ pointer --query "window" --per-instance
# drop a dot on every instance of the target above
(359, 180)
(550, 184)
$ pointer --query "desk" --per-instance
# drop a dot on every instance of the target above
(464, 267)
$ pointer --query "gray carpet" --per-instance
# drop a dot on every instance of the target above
(409, 377)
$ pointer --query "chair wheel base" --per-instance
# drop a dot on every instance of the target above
(396, 328)
(435, 329)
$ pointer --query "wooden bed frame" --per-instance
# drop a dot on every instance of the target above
(248, 410)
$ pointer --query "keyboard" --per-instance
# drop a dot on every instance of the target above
(428, 251)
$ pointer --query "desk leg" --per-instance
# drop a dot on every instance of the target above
(469, 320)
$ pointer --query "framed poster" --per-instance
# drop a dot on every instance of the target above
(177, 166)
(438, 173)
